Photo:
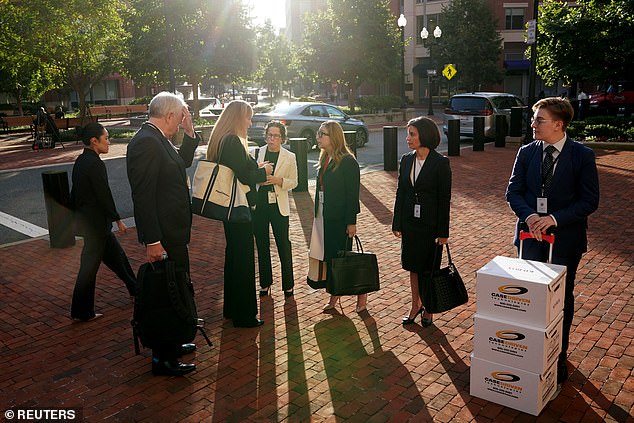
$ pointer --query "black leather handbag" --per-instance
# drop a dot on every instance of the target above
(442, 289)
(164, 306)
(353, 272)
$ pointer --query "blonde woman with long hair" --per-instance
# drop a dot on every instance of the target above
(336, 203)
(228, 146)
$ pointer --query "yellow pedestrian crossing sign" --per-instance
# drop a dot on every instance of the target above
(449, 71)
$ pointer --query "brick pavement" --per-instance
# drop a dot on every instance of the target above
(304, 365)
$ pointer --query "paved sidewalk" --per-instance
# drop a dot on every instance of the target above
(304, 365)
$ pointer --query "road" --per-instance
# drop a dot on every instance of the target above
(23, 215)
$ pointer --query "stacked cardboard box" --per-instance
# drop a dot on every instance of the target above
(517, 332)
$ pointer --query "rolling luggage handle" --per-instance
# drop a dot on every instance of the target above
(549, 238)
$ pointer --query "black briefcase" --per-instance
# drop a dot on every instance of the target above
(164, 306)
(353, 272)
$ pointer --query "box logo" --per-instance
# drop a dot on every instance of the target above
(510, 336)
(513, 289)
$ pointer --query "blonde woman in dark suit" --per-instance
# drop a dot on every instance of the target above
(273, 209)
(228, 146)
(336, 201)
(421, 209)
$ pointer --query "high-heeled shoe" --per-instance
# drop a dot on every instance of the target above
(409, 320)
(265, 291)
(331, 304)
(288, 293)
(427, 321)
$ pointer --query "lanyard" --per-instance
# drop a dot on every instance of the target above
(322, 171)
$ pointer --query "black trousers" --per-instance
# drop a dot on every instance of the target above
(180, 255)
(264, 215)
(97, 249)
(240, 303)
(538, 251)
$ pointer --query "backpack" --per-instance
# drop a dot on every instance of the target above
(164, 306)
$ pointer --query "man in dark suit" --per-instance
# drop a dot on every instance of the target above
(162, 206)
(555, 185)
(94, 213)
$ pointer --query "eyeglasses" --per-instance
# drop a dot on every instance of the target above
(539, 121)
(274, 136)
(321, 133)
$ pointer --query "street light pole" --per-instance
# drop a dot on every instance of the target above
(402, 21)
(424, 34)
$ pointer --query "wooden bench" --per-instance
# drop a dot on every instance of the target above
(10, 122)
(71, 123)
(99, 111)
(137, 109)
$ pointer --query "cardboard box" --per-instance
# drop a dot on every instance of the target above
(519, 346)
(522, 291)
(511, 387)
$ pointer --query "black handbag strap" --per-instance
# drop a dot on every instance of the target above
(357, 241)
(450, 262)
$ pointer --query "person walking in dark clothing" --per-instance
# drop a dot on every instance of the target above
(94, 213)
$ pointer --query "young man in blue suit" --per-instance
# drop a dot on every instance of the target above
(555, 186)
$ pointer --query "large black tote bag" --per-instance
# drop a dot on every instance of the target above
(353, 272)
(442, 289)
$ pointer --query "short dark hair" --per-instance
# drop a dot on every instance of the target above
(428, 133)
(90, 131)
(276, 124)
(559, 108)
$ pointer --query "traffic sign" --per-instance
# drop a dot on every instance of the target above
(449, 71)
(532, 31)
(431, 72)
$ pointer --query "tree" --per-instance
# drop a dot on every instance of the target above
(22, 73)
(593, 41)
(276, 59)
(205, 39)
(470, 42)
(352, 42)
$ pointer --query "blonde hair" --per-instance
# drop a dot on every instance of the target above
(338, 143)
(230, 117)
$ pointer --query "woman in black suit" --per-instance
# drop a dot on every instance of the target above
(421, 209)
(336, 201)
(94, 213)
(228, 146)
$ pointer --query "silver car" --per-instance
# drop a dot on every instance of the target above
(487, 104)
(303, 119)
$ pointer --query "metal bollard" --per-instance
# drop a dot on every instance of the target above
(351, 140)
(478, 133)
(500, 131)
(516, 121)
(390, 148)
(299, 146)
(58, 212)
(453, 137)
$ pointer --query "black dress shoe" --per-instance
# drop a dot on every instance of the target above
(409, 320)
(248, 324)
(171, 367)
(426, 322)
(265, 291)
(288, 293)
(188, 348)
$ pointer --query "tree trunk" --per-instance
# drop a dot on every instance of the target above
(352, 91)
(195, 80)
(18, 99)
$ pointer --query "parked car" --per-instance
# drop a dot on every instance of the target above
(617, 98)
(214, 108)
(302, 119)
(466, 106)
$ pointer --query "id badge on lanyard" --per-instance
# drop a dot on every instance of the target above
(542, 205)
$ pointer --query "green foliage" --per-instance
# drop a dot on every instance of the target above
(276, 58)
(142, 100)
(593, 41)
(378, 103)
(470, 42)
(352, 42)
(602, 128)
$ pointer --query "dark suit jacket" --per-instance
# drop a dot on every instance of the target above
(244, 166)
(160, 192)
(341, 203)
(433, 187)
(91, 197)
(574, 192)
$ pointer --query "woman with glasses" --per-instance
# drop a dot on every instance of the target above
(336, 204)
(273, 208)
(421, 209)
(228, 146)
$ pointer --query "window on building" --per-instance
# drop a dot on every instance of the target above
(514, 18)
